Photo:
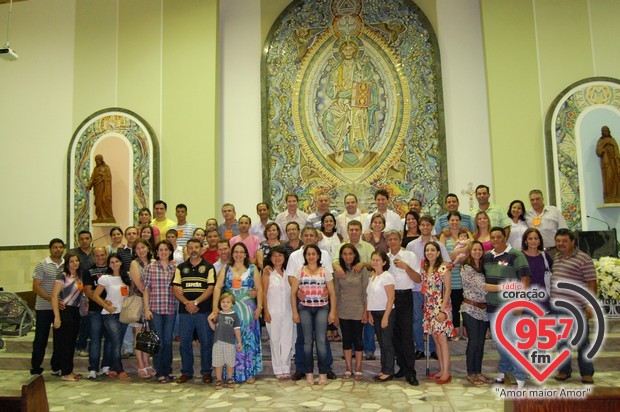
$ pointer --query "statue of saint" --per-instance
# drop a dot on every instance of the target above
(101, 182)
(607, 150)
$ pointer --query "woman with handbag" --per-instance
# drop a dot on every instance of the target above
(68, 291)
(136, 270)
(160, 305)
(116, 285)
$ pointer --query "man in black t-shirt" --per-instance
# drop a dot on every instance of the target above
(97, 331)
(193, 285)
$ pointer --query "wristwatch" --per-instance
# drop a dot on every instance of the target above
(195, 303)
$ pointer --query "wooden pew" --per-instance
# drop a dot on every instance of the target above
(33, 397)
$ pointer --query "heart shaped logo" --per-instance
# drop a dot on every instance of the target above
(539, 375)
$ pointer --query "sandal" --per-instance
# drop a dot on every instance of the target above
(347, 375)
(474, 380)
(162, 379)
(248, 380)
(483, 379)
(144, 373)
(322, 379)
(219, 384)
(230, 383)
(309, 379)
(124, 377)
(151, 371)
(359, 376)
(70, 378)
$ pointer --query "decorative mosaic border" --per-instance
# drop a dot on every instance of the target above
(145, 152)
(416, 165)
(562, 161)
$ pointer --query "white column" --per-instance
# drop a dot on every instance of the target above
(240, 106)
(466, 112)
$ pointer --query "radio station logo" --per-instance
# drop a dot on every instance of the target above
(536, 336)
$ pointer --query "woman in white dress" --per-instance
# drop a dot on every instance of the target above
(278, 314)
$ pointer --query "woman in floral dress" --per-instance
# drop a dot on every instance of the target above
(436, 281)
(239, 278)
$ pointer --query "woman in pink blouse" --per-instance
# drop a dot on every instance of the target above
(314, 311)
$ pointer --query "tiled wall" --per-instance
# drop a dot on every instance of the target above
(16, 268)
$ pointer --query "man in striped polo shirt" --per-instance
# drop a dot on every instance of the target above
(44, 276)
(504, 264)
(573, 266)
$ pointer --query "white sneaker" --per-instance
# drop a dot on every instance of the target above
(57, 373)
(92, 375)
(105, 370)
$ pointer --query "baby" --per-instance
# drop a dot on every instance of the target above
(463, 243)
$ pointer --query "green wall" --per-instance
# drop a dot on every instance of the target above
(158, 59)
(534, 50)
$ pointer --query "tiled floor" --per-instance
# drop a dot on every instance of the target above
(107, 394)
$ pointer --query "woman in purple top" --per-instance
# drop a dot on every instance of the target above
(540, 263)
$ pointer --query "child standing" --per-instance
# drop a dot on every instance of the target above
(227, 328)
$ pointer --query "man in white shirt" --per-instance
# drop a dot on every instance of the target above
(258, 228)
(405, 267)
(392, 219)
(350, 213)
(291, 214)
(309, 236)
(547, 219)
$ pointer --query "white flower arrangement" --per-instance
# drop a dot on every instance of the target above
(608, 277)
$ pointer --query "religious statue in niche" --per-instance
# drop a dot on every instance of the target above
(607, 150)
(101, 183)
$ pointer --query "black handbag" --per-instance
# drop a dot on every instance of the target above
(147, 340)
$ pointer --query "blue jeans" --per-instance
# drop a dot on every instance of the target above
(187, 323)
(82, 340)
(127, 343)
(476, 332)
(418, 332)
(314, 325)
(164, 327)
(300, 362)
(507, 363)
(115, 330)
(97, 332)
(586, 366)
(369, 338)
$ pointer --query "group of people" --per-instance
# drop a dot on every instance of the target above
(367, 274)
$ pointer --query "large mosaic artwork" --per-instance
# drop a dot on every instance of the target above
(563, 118)
(352, 104)
(145, 161)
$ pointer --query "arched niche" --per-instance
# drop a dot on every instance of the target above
(572, 128)
(129, 146)
(383, 129)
